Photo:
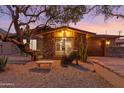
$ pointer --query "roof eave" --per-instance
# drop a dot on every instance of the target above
(76, 30)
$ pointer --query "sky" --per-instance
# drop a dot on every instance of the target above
(89, 23)
(98, 25)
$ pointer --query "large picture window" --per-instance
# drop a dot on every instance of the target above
(59, 46)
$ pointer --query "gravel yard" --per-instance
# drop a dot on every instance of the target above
(28, 75)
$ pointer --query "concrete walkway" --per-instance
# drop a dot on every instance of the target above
(114, 64)
(110, 68)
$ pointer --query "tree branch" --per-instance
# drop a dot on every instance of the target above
(109, 12)
(116, 15)
(89, 10)
(34, 15)
(9, 29)
(10, 9)
(26, 23)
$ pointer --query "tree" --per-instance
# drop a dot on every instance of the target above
(22, 16)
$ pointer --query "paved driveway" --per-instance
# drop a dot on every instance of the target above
(113, 63)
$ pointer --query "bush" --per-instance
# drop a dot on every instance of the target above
(66, 60)
(72, 56)
(3, 62)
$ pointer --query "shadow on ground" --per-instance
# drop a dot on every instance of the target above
(21, 62)
(39, 70)
(79, 67)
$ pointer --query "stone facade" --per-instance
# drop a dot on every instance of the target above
(114, 52)
(40, 45)
(48, 46)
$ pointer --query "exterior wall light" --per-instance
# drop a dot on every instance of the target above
(107, 42)
(63, 31)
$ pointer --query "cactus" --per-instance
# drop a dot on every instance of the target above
(85, 54)
(83, 50)
(3, 62)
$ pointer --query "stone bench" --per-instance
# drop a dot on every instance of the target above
(49, 62)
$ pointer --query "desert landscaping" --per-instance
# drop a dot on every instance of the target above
(19, 74)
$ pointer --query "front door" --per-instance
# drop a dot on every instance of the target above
(67, 43)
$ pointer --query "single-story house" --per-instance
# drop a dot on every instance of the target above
(50, 42)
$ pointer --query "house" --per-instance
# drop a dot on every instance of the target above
(50, 42)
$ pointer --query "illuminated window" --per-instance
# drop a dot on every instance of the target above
(33, 43)
(59, 45)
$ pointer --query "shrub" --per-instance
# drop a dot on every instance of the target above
(73, 56)
(66, 60)
(3, 62)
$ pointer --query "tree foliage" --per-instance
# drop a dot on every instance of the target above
(24, 15)
(109, 11)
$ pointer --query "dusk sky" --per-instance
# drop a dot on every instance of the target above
(89, 23)
(100, 26)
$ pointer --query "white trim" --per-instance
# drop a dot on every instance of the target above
(33, 43)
